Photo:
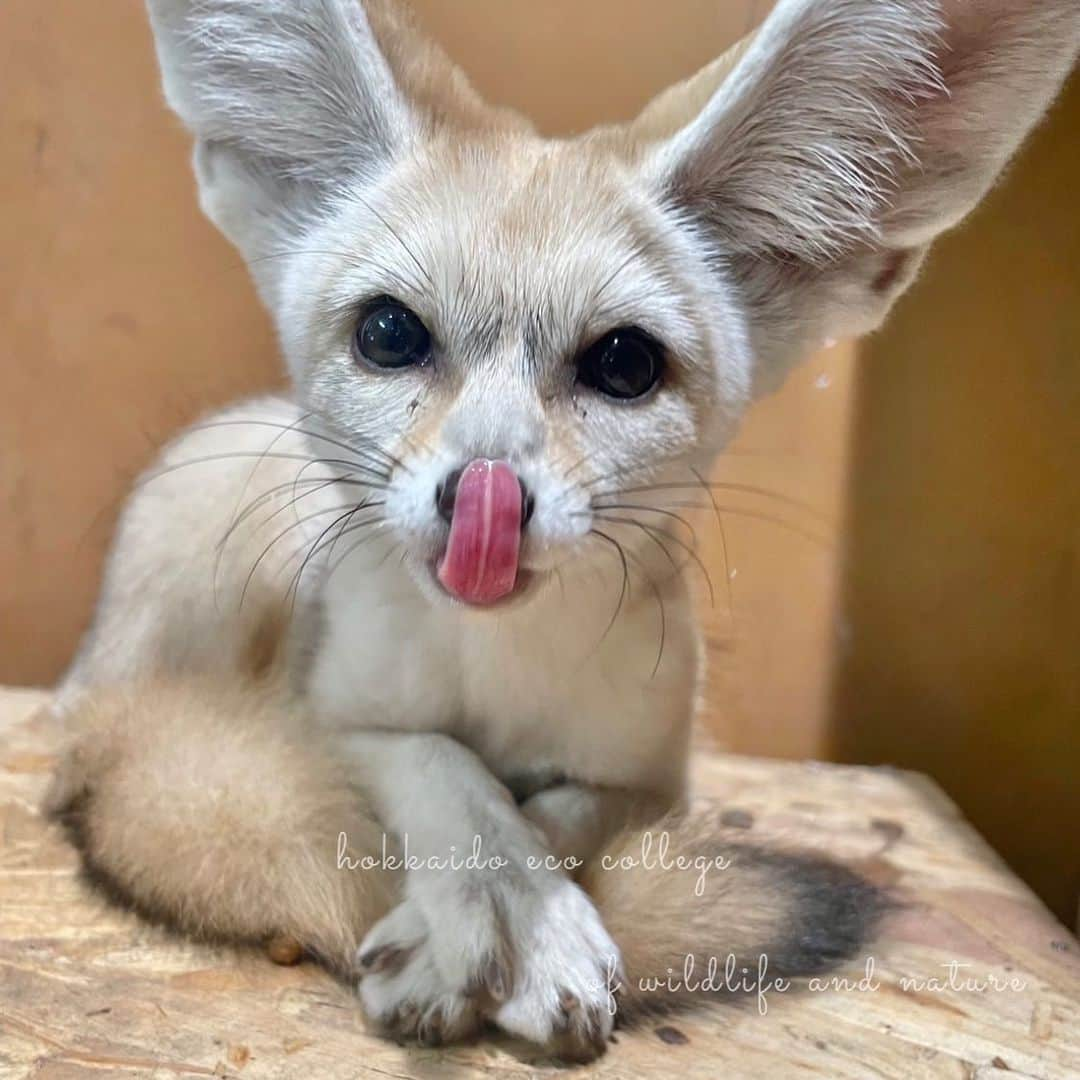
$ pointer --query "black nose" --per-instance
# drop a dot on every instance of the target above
(446, 493)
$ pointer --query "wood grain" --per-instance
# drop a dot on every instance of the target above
(87, 990)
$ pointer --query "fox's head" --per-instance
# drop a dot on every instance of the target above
(515, 330)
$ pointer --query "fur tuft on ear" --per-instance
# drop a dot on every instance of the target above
(297, 88)
(799, 150)
(288, 100)
(849, 135)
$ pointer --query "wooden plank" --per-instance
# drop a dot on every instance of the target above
(87, 989)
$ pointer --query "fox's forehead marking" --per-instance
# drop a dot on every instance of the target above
(515, 261)
(538, 296)
(515, 303)
(536, 335)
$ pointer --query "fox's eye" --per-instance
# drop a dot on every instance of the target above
(625, 363)
(389, 335)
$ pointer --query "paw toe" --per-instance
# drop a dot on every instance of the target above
(492, 982)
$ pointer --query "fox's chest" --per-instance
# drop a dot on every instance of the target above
(537, 692)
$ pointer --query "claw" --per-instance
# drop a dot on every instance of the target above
(429, 1033)
(384, 958)
(492, 984)
(407, 1019)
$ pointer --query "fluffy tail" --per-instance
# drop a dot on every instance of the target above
(212, 807)
(209, 807)
(696, 916)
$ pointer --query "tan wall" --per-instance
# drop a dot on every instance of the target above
(122, 314)
(961, 598)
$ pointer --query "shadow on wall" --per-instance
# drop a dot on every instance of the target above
(959, 652)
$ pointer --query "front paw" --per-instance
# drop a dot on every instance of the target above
(402, 989)
(567, 973)
(532, 956)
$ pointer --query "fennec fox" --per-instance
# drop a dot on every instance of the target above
(436, 593)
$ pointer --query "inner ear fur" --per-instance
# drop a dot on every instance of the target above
(293, 102)
(825, 154)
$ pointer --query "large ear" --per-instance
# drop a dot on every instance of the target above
(849, 135)
(288, 100)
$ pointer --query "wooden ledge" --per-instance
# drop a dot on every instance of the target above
(86, 989)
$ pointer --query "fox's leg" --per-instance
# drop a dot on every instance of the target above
(577, 820)
(508, 932)
(208, 805)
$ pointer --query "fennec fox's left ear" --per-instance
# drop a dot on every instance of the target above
(848, 135)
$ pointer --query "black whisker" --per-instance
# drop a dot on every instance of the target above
(390, 551)
(625, 578)
(562, 584)
(289, 253)
(659, 598)
(647, 509)
(314, 485)
(230, 455)
(722, 485)
(737, 511)
(255, 468)
(723, 539)
(609, 280)
(343, 520)
(648, 532)
(404, 247)
(285, 532)
(359, 543)
(345, 530)
(372, 453)
(653, 533)
(574, 468)
(663, 624)
(365, 505)
(806, 534)
(379, 483)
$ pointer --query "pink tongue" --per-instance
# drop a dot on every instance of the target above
(481, 561)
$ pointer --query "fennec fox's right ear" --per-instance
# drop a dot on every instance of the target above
(295, 102)
(291, 102)
(288, 100)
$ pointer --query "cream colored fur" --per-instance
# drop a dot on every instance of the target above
(272, 665)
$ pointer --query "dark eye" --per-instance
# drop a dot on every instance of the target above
(389, 335)
(624, 363)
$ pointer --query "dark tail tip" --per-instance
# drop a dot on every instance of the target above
(836, 913)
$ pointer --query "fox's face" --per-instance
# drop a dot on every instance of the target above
(518, 302)
(513, 334)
